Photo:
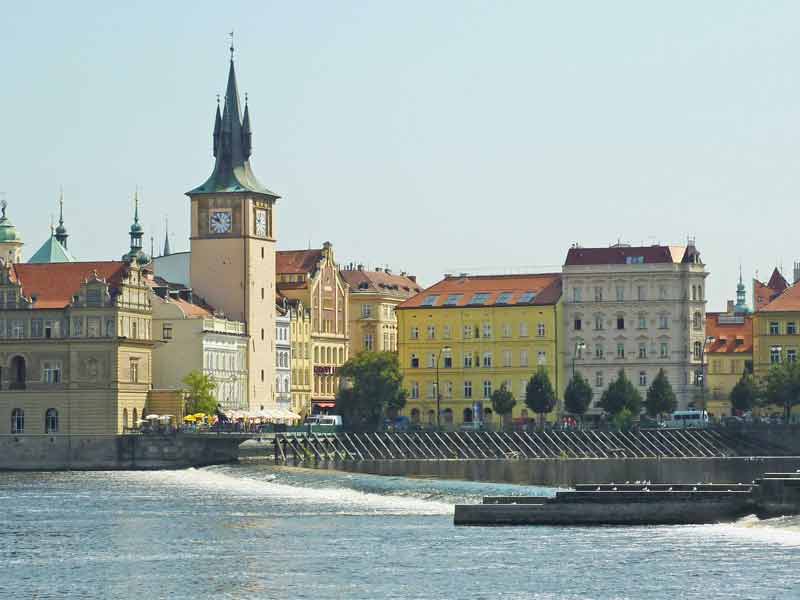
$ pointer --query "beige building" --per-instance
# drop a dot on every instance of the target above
(313, 278)
(75, 347)
(374, 295)
(232, 264)
(301, 365)
(190, 337)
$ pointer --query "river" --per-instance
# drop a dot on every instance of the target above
(253, 530)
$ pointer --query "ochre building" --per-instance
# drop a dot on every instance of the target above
(481, 332)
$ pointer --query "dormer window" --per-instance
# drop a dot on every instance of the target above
(93, 297)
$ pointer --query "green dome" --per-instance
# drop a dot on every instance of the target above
(8, 233)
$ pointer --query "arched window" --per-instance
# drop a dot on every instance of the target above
(135, 422)
(697, 320)
(133, 330)
(51, 421)
(124, 419)
(698, 350)
(316, 354)
(467, 415)
(278, 385)
(17, 421)
(431, 417)
(415, 416)
(18, 373)
(447, 416)
(286, 386)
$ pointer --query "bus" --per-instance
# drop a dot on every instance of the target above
(689, 418)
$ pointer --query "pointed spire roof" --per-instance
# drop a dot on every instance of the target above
(137, 232)
(167, 251)
(777, 282)
(232, 143)
(61, 230)
(52, 251)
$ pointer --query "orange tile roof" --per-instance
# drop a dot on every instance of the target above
(733, 334)
(461, 291)
(619, 255)
(54, 284)
(381, 282)
(788, 300)
(297, 261)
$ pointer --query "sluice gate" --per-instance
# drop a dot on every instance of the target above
(472, 445)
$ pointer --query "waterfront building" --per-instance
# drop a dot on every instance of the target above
(232, 255)
(10, 240)
(191, 337)
(374, 295)
(75, 347)
(301, 363)
(776, 337)
(283, 353)
(640, 309)
(467, 336)
(313, 278)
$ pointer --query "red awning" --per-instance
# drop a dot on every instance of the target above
(324, 404)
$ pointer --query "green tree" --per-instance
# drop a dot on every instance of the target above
(660, 396)
(200, 393)
(376, 390)
(577, 396)
(503, 403)
(745, 394)
(783, 386)
(539, 395)
(619, 395)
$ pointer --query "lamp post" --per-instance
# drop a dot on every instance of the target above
(438, 393)
(710, 339)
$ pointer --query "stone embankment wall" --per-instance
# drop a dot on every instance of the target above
(100, 452)
(568, 472)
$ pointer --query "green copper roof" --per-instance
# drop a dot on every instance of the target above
(52, 252)
(232, 146)
(8, 233)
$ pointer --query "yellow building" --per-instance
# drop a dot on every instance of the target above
(75, 347)
(776, 337)
(302, 369)
(374, 296)
(313, 278)
(728, 354)
(482, 332)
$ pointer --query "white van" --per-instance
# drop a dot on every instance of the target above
(696, 419)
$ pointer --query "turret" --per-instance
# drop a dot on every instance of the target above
(136, 233)
(10, 240)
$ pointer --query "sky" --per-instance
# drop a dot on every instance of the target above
(432, 137)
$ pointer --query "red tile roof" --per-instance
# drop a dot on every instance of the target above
(461, 290)
(788, 300)
(297, 261)
(764, 293)
(620, 255)
(733, 334)
(380, 282)
(777, 281)
(54, 284)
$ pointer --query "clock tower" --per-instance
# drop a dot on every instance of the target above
(233, 242)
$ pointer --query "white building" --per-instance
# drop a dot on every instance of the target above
(190, 337)
(639, 309)
(283, 355)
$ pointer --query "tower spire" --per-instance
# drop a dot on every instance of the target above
(136, 233)
(167, 251)
(61, 230)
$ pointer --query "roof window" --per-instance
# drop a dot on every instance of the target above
(430, 300)
(526, 298)
(504, 298)
(479, 298)
(453, 299)
(634, 260)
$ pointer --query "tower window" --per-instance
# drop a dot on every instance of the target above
(262, 333)
(262, 374)
(262, 293)
(262, 252)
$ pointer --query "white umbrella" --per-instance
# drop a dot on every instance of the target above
(151, 417)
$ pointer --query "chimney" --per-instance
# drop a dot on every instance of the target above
(796, 272)
(378, 269)
(360, 267)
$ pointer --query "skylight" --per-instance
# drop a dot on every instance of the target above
(430, 300)
(526, 298)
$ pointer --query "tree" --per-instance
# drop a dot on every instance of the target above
(578, 396)
(783, 386)
(503, 403)
(200, 393)
(660, 396)
(376, 390)
(539, 394)
(745, 393)
(619, 395)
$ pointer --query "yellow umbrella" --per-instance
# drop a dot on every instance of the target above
(190, 418)
(199, 415)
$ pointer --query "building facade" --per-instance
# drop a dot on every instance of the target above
(283, 354)
(302, 368)
(313, 278)
(374, 296)
(639, 309)
(729, 354)
(190, 337)
(776, 333)
(75, 347)
(232, 261)
(475, 334)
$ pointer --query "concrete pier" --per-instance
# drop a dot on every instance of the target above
(640, 504)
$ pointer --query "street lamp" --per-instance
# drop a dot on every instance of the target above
(580, 345)
(438, 393)
(710, 339)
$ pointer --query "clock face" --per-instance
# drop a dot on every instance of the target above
(261, 223)
(220, 221)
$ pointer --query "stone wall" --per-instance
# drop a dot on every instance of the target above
(100, 452)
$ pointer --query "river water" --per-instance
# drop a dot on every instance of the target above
(253, 530)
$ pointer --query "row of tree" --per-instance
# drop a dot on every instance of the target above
(780, 388)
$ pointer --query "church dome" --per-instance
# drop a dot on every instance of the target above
(8, 233)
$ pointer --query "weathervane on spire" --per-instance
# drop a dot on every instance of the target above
(231, 48)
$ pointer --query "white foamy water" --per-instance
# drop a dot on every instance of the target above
(340, 500)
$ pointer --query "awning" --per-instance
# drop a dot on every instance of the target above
(323, 404)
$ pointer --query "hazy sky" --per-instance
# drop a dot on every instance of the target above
(430, 136)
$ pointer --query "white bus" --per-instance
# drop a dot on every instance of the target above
(689, 418)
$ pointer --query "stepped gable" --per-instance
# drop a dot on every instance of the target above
(54, 284)
(519, 290)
